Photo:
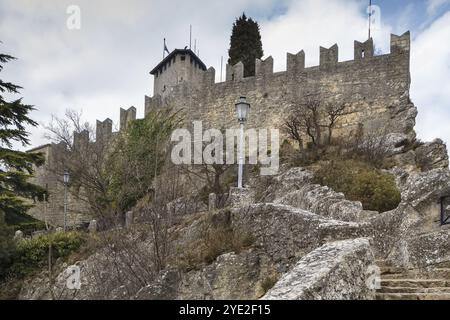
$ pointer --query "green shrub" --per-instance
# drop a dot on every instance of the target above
(32, 254)
(360, 182)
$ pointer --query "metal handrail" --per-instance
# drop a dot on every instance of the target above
(445, 214)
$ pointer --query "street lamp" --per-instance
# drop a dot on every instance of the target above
(66, 178)
(242, 109)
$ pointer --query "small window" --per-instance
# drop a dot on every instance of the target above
(363, 54)
(183, 58)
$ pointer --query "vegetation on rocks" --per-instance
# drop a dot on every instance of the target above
(32, 254)
(216, 237)
(138, 157)
(359, 181)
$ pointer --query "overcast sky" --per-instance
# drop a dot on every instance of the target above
(105, 64)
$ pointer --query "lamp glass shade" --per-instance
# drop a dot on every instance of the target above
(242, 109)
(66, 177)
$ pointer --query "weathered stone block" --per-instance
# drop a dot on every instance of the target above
(336, 271)
(239, 197)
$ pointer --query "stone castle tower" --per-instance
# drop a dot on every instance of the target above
(180, 66)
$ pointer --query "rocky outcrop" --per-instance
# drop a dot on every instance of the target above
(432, 155)
(286, 233)
(336, 271)
(402, 235)
(295, 188)
(232, 276)
(308, 233)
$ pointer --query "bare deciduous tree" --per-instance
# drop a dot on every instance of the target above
(78, 152)
(310, 118)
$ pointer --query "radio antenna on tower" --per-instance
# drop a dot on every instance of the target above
(370, 17)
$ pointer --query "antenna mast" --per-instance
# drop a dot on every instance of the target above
(370, 17)
(221, 67)
(190, 36)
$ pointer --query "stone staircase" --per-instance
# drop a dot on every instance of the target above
(400, 284)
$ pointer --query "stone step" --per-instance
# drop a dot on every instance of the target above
(413, 290)
(413, 296)
(438, 273)
(415, 283)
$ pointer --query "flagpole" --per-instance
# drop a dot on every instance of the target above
(164, 48)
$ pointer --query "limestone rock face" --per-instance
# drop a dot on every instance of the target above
(231, 276)
(404, 236)
(425, 187)
(295, 188)
(336, 271)
(429, 249)
(432, 155)
(286, 233)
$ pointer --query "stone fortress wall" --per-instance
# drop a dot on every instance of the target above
(375, 88)
(52, 210)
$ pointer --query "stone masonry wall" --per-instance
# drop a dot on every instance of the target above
(52, 210)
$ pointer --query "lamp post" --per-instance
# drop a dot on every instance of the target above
(66, 178)
(242, 109)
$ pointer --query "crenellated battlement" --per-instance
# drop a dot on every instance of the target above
(126, 116)
(401, 44)
(80, 139)
(264, 67)
(365, 80)
(295, 62)
(103, 130)
(329, 61)
(363, 50)
(329, 57)
(235, 72)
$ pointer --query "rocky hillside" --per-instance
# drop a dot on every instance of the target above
(290, 239)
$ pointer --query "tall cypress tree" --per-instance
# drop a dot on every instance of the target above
(16, 167)
(245, 44)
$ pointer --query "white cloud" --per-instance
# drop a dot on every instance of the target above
(430, 87)
(434, 5)
(309, 24)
